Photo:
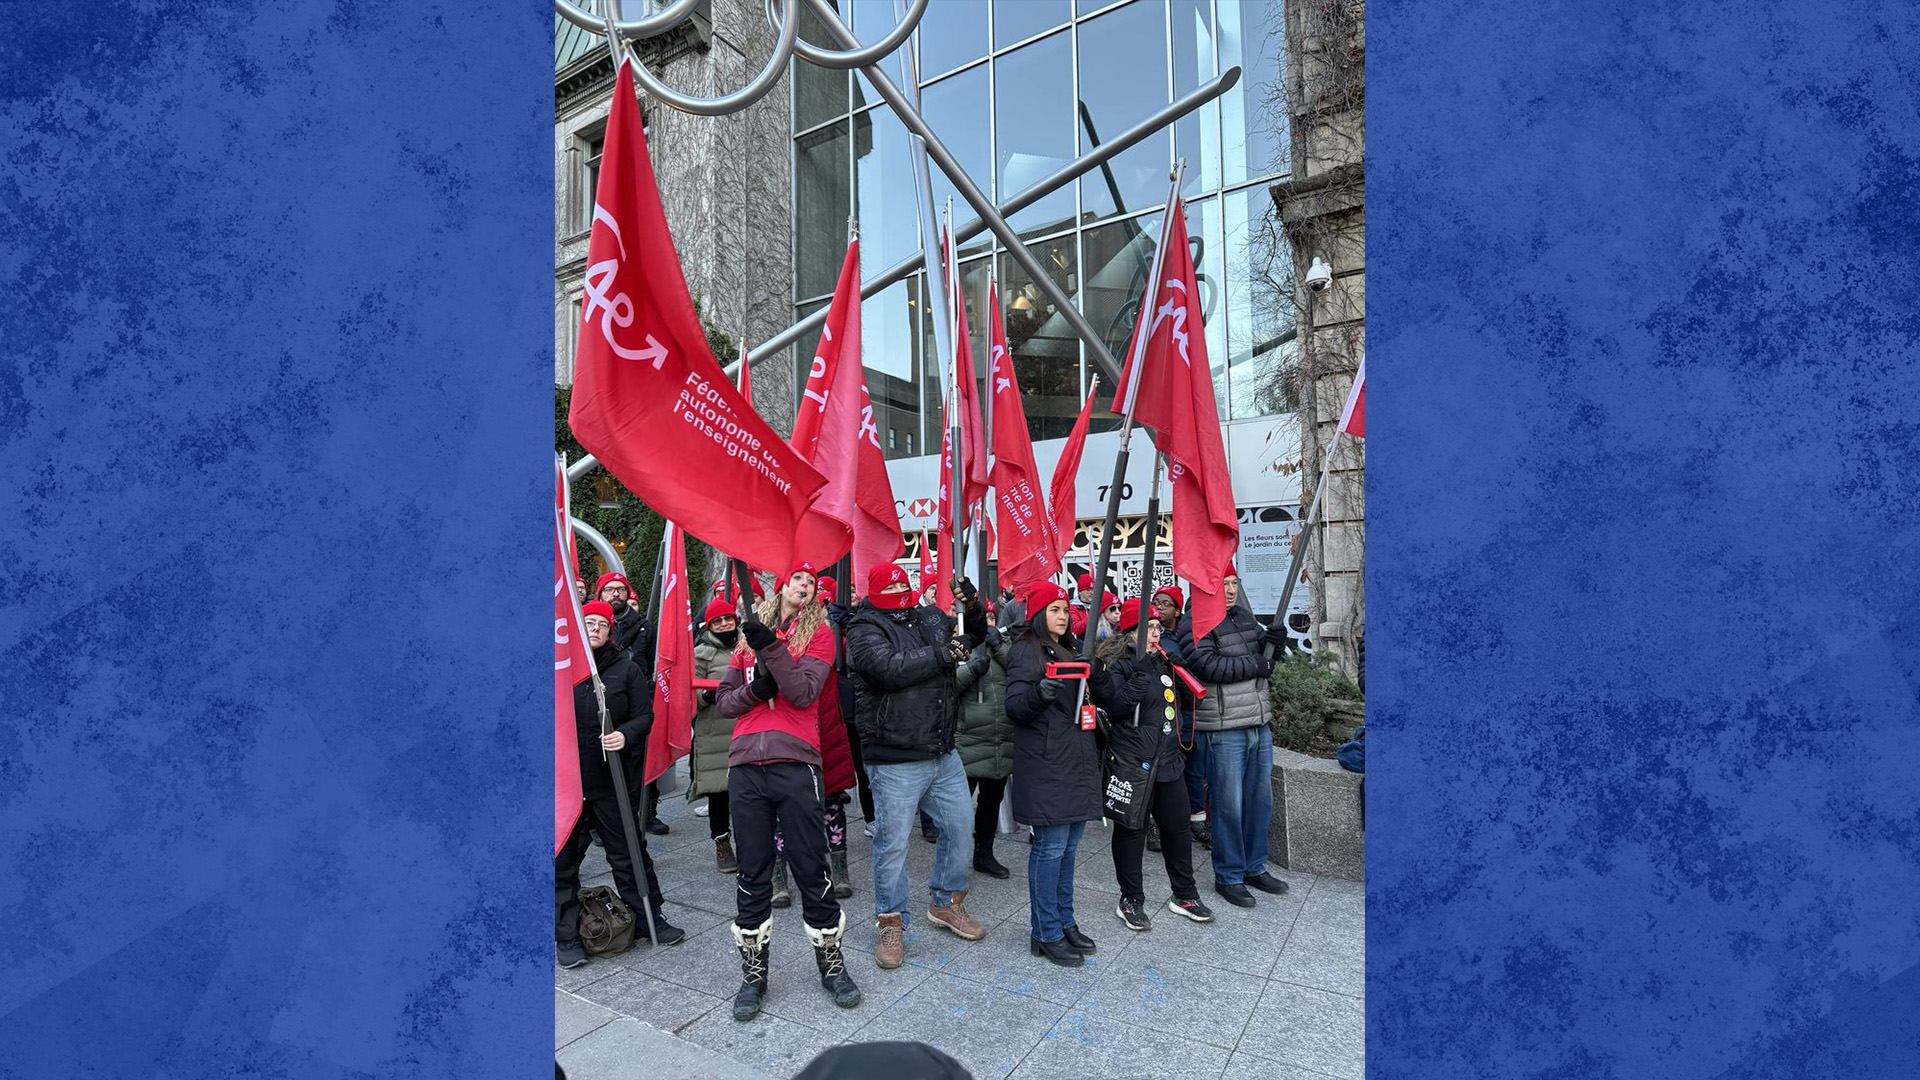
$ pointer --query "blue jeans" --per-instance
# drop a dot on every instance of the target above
(1240, 776)
(940, 785)
(1050, 878)
(1196, 769)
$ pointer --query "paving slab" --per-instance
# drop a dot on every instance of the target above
(988, 1029)
(770, 1043)
(665, 1005)
(1176, 997)
(1243, 1064)
(1005, 960)
(1313, 1029)
(574, 1017)
(627, 1049)
(1328, 946)
(1087, 1045)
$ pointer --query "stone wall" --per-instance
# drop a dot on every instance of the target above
(725, 183)
(1323, 210)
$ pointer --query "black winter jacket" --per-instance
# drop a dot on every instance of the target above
(629, 711)
(1120, 683)
(904, 697)
(633, 634)
(1056, 765)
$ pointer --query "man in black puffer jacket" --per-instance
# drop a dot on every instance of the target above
(1230, 732)
(900, 657)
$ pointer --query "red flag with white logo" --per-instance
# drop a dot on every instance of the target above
(1062, 489)
(1176, 400)
(649, 399)
(926, 562)
(943, 536)
(673, 703)
(834, 431)
(973, 440)
(1028, 552)
(1353, 418)
(571, 663)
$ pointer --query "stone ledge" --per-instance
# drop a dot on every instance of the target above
(1317, 824)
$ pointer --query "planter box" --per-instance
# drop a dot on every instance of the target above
(1317, 823)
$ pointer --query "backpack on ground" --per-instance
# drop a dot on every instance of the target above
(606, 922)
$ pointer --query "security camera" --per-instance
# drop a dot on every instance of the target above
(1319, 276)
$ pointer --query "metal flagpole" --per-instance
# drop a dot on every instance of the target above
(989, 589)
(1147, 567)
(1306, 531)
(1143, 331)
(956, 474)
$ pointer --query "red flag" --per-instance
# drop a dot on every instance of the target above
(571, 663)
(1060, 492)
(943, 536)
(1176, 400)
(746, 381)
(649, 399)
(673, 702)
(835, 432)
(1353, 419)
(973, 440)
(926, 562)
(1029, 552)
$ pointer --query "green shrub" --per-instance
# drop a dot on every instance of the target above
(1303, 691)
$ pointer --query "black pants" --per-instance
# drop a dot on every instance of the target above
(785, 795)
(1169, 811)
(652, 810)
(836, 822)
(602, 817)
(860, 774)
(719, 822)
(986, 811)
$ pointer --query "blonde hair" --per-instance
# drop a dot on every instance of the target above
(810, 618)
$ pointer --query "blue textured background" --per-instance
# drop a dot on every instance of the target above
(274, 434)
(1644, 540)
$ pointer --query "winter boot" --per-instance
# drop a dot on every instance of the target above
(1203, 836)
(782, 894)
(833, 965)
(984, 861)
(1153, 837)
(723, 859)
(753, 945)
(842, 887)
(955, 918)
(891, 950)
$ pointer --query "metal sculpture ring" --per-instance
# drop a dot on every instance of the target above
(783, 51)
(864, 55)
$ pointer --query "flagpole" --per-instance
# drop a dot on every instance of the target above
(955, 503)
(987, 588)
(1147, 566)
(1143, 330)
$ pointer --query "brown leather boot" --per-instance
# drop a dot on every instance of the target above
(891, 952)
(723, 859)
(955, 918)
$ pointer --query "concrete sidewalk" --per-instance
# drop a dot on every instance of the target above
(1273, 992)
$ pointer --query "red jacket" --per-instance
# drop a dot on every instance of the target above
(836, 754)
(786, 728)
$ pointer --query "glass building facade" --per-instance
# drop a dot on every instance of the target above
(1017, 89)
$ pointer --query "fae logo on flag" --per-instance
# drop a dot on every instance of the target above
(617, 310)
(1177, 309)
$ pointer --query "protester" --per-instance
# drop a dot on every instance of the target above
(1230, 730)
(633, 633)
(1169, 603)
(985, 741)
(901, 656)
(1109, 616)
(1056, 773)
(771, 690)
(580, 589)
(836, 777)
(713, 733)
(837, 616)
(629, 718)
(1141, 699)
(1080, 604)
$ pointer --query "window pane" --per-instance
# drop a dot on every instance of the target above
(1119, 259)
(1253, 123)
(1196, 136)
(884, 188)
(1017, 20)
(952, 33)
(1033, 118)
(1045, 350)
(889, 345)
(803, 350)
(818, 93)
(1261, 346)
(821, 202)
(1123, 63)
(956, 109)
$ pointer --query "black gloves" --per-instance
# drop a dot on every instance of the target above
(1145, 680)
(1277, 634)
(964, 590)
(707, 697)
(993, 638)
(958, 648)
(763, 687)
(978, 664)
(758, 636)
(1049, 689)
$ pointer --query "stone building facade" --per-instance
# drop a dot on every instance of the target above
(725, 181)
(1322, 209)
